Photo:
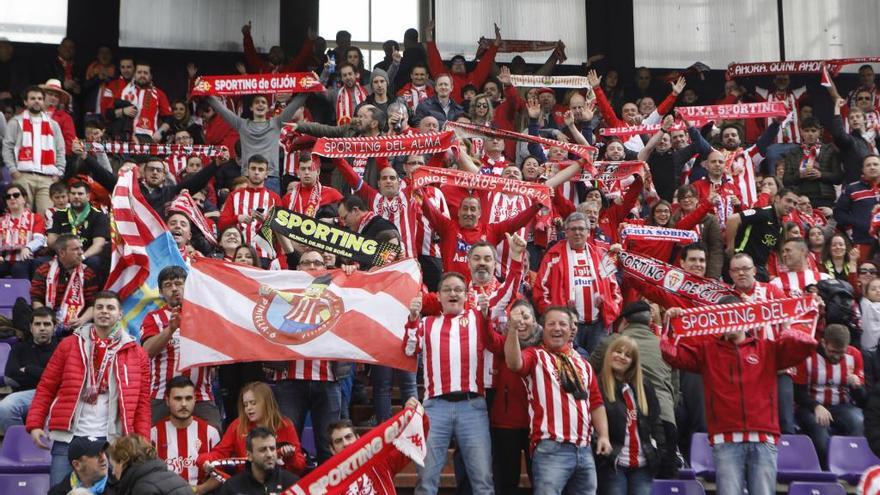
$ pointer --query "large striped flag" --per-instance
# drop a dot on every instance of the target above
(234, 313)
(142, 247)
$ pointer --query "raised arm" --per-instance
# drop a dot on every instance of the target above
(251, 58)
(562, 176)
(233, 120)
(602, 101)
(357, 184)
(842, 139)
(290, 110)
(487, 60)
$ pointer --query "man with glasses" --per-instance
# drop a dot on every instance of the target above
(26, 363)
(306, 386)
(22, 235)
(160, 337)
(573, 274)
(90, 225)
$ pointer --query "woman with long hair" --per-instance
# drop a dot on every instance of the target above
(839, 259)
(816, 241)
(257, 407)
(708, 228)
(634, 425)
(140, 471)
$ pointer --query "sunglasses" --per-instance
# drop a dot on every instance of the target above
(867, 271)
(14, 195)
(863, 98)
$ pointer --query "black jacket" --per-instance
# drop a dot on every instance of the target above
(650, 428)
(151, 478)
(64, 487)
(872, 420)
(244, 483)
(853, 149)
(27, 361)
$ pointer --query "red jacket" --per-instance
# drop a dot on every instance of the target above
(63, 380)
(233, 445)
(68, 130)
(740, 380)
(476, 77)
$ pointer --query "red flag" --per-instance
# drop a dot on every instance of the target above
(236, 313)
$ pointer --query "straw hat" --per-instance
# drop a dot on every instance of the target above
(54, 85)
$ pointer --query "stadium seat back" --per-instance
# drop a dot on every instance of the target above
(677, 487)
(10, 290)
(849, 457)
(803, 488)
(18, 454)
(24, 484)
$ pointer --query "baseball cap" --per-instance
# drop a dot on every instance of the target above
(90, 446)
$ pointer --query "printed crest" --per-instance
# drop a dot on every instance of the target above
(297, 316)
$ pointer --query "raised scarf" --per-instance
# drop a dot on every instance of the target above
(73, 300)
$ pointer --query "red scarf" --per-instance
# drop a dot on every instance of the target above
(726, 318)
(147, 102)
(365, 220)
(47, 141)
(310, 209)
(347, 100)
(810, 155)
(74, 298)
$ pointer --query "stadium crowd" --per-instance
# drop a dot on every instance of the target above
(534, 340)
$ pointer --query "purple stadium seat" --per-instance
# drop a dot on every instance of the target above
(701, 457)
(797, 461)
(18, 454)
(802, 488)
(10, 290)
(687, 474)
(24, 484)
(677, 487)
(849, 457)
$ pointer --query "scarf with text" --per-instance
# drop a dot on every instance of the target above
(425, 176)
(701, 115)
(794, 67)
(627, 132)
(15, 233)
(126, 148)
(549, 81)
(520, 46)
(726, 318)
(185, 204)
(347, 100)
(655, 233)
(470, 131)
(403, 434)
(610, 172)
(701, 290)
(384, 146)
(28, 137)
(73, 301)
(253, 84)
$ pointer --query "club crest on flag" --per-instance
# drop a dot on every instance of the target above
(673, 280)
(202, 85)
(297, 316)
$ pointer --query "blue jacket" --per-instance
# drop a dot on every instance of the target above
(853, 209)
(431, 107)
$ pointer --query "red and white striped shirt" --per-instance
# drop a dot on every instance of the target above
(453, 347)
(743, 437)
(556, 415)
(827, 381)
(502, 207)
(870, 482)
(400, 211)
(306, 369)
(631, 455)
(166, 365)
(583, 282)
(246, 201)
(176, 164)
(424, 235)
(794, 284)
(179, 447)
(790, 133)
(17, 233)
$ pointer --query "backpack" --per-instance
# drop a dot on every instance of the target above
(841, 306)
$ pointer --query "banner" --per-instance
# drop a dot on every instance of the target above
(520, 46)
(655, 233)
(252, 84)
(628, 131)
(709, 113)
(725, 318)
(794, 67)
(424, 176)
(384, 146)
(701, 290)
(549, 81)
(403, 435)
(126, 148)
(471, 131)
(328, 237)
(236, 313)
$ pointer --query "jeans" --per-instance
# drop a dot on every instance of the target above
(559, 467)
(625, 481)
(14, 408)
(382, 378)
(204, 409)
(468, 423)
(590, 334)
(298, 397)
(749, 465)
(848, 420)
(785, 393)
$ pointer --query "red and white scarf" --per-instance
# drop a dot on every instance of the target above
(365, 220)
(726, 318)
(15, 233)
(310, 206)
(347, 100)
(147, 102)
(74, 298)
(810, 155)
(46, 139)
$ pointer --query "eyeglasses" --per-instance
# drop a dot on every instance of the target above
(415, 163)
(155, 170)
(448, 290)
(867, 271)
(742, 269)
(481, 105)
(14, 195)
(311, 263)
(863, 98)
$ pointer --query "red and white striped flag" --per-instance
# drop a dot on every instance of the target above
(825, 76)
(185, 204)
(236, 313)
(134, 226)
